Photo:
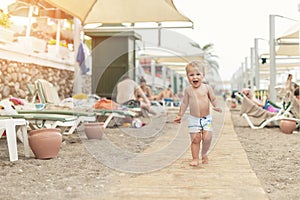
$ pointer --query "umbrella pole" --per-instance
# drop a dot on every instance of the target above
(58, 36)
(28, 29)
(77, 87)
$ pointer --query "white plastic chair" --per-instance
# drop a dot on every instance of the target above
(11, 135)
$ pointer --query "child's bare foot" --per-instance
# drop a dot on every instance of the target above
(205, 160)
(194, 162)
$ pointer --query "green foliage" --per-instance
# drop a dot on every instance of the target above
(88, 43)
(61, 43)
(4, 20)
(208, 48)
(208, 56)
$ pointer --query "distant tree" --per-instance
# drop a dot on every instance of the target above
(208, 48)
(209, 57)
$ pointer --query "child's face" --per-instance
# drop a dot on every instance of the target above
(195, 76)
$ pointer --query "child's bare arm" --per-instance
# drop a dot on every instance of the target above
(177, 119)
(213, 100)
(181, 112)
(183, 107)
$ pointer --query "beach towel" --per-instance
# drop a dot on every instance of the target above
(81, 59)
(106, 104)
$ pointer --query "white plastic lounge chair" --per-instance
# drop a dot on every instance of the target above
(167, 103)
(110, 114)
(47, 118)
(73, 118)
(250, 109)
(65, 118)
(12, 133)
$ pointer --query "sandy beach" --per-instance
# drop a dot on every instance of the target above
(274, 156)
(76, 174)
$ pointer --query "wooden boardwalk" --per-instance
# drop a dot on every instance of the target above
(228, 176)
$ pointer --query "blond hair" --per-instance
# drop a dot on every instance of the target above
(198, 64)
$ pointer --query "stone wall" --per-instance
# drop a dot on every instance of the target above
(86, 84)
(14, 77)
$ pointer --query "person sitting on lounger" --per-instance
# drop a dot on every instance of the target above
(167, 94)
(146, 89)
(265, 104)
(126, 90)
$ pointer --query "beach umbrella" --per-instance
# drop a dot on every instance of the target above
(120, 11)
(292, 32)
(288, 43)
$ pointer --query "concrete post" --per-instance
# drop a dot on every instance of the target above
(272, 58)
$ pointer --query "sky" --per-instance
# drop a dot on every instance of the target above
(232, 25)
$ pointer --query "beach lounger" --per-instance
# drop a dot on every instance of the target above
(47, 118)
(62, 118)
(32, 91)
(166, 103)
(58, 118)
(36, 121)
(62, 112)
(110, 114)
(47, 94)
(250, 110)
(295, 107)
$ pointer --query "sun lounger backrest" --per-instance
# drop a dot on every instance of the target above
(32, 91)
(52, 95)
(295, 109)
(47, 92)
(253, 110)
(40, 92)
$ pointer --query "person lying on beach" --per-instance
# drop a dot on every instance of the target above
(265, 104)
(198, 97)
